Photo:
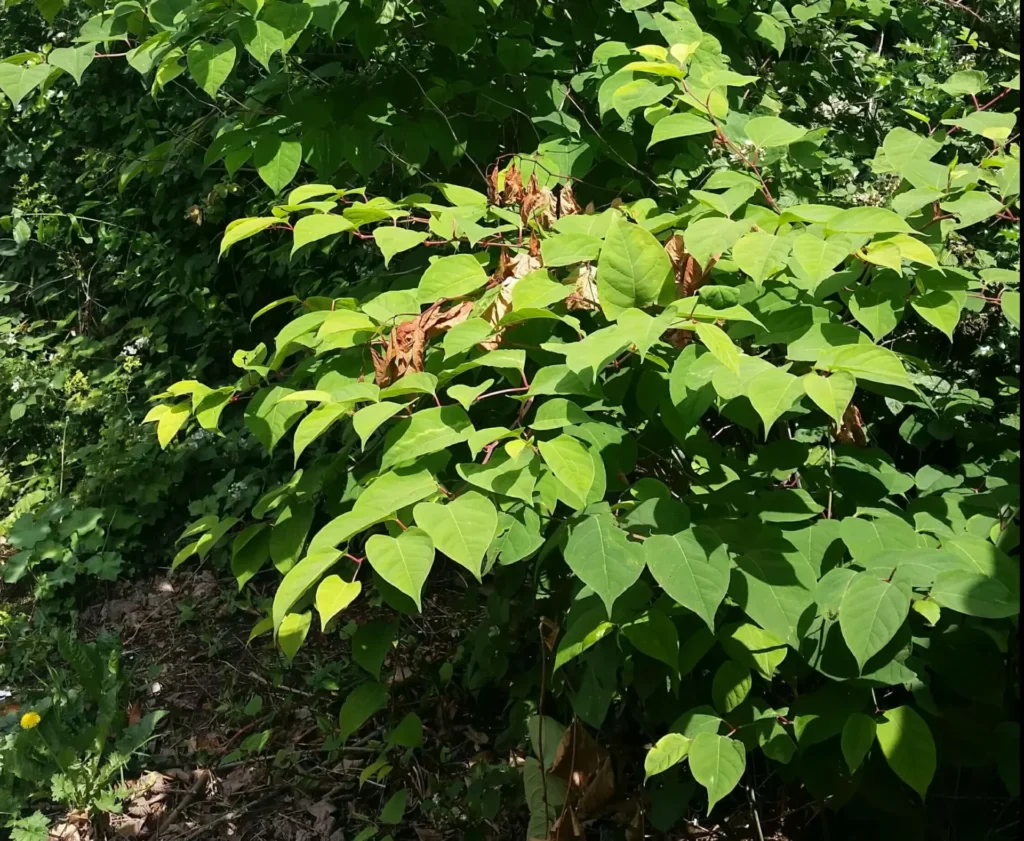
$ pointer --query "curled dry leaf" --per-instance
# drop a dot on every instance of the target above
(584, 296)
(600, 788)
(852, 430)
(510, 271)
(513, 192)
(567, 204)
(538, 205)
(689, 276)
(493, 195)
(567, 827)
(407, 343)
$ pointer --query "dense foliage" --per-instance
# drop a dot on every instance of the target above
(684, 335)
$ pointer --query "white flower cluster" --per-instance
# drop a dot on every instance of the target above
(10, 339)
(237, 489)
(134, 348)
(17, 386)
(833, 108)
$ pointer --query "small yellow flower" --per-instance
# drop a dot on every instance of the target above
(30, 720)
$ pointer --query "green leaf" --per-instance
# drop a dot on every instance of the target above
(975, 595)
(556, 414)
(879, 307)
(451, 277)
(210, 65)
(692, 567)
(249, 552)
(504, 474)
(602, 557)
(655, 635)
(857, 739)
(770, 132)
(772, 393)
(868, 538)
(300, 579)
(908, 747)
(989, 124)
(815, 258)
(371, 643)
(368, 419)
(408, 733)
(392, 240)
(673, 126)
(315, 424)
(668, 752)
(394, 809)
(717, 763)
(171, 421)
(1010, 303)
(427, 431)
(831, 394)
(585, 627)
(277, 160)
(277, 30)
(334, 595)
(572, 464)
(871, 613)
(766, 587)
(269, 419)
(18, 81)
(461, 529)
(404, 562)
(569, 249)
(73, 60)
(316, 227)
(965, 83)
(362, 704)
(866, 362)
(757, 648)
(292, 633)
(721, 346)
(769, 30)
(241, 229)
(730, 686)
(465, 336)
(760, 255)
(633, 271)
(867, 220)
(639, 93)
(642, 330)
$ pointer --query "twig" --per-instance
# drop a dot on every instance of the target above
(202, 778)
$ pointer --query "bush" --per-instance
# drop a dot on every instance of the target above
(685, 332)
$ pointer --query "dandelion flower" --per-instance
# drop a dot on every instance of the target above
(30, 720)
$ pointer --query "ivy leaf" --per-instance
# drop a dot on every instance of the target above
(717, 763)
(73, 60)
(210, 65)
(692, 567)
(277, 160)
(668, 752)
(334, 595)
(832, 394)
(461, 529)
(603, 558)
(908, 747)
(404, 562)
(633, 271)
(857, 739)
(392, 240)
(871, 613)
(451, 277)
